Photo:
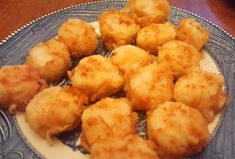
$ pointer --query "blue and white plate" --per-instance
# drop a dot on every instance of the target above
(18, 141)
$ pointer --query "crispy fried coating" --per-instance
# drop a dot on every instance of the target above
(129, 147)
(18, 85)
(129, 57)
(147, 12)
(97, 77)
(50, 59)
(153, 36)
(191, 32)
(203, 91)
(109, 117)
(149, 86)
(55, 110)
(177, 130)
(79, 36)
(117, 29)
(180, 56)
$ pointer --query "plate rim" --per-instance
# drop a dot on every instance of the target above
(9, 36)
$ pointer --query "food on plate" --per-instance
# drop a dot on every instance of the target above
(129, 57)
(97, 77)
(18, 85)
(180, 56)
(149, 86)
(177, 130)
(79, 36)
(129, 147)
(109, 117)
(203, 91)
(190, 31)
(117, 29)
(55, 110)
(51, 59)
(147, 12)
(153, 36)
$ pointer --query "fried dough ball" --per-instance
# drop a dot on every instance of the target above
(50, 59)
(149, 86)
(79, 36)
(55, 110)
(129, 147)
(180, 56)
(129, 57)
(117, 29)
(203, 91)
(109, 117)
(97, 77)
(177, 130)
(148, 11)
(155, 35)
(18, 85)
(190, 31)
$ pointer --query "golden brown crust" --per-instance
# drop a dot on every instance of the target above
(109, 117)
(149, 86)
(192, 32)
(203, 91)
(153, 36)
(55, 110)
(176, 133)
(79, 36)
(97, 77)
(117, 29)
(129, 147)
(181, 57)
(50, 59)
(18, 85)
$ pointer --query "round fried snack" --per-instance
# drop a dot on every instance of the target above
(129, 57)
(203, 91)
(149, 86)
(191, 32)
(109, 117)
(117, 29)
(129, 147)
(153, 36)
(79, 36)
(147, 12)
(55, 110)
(97, 77)
(18, 85)
(180, 56)
(177, 130)
(50, 59)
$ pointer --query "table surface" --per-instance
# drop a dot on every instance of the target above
(15, 13)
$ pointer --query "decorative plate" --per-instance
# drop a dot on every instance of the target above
(18, 141)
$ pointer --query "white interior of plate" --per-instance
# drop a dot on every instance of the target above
(59, 150)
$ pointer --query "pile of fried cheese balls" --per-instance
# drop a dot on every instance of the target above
(156, 65)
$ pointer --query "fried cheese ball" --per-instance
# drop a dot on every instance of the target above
(55, 110)
(180, 56)
(79, 36)
(203, 91)
(97, 77)
(51, 59)
(109, 117)
(153, 36)
(177, 130)
(117, 29)
(190, 31)
(149, 86)
(129, 57)
(18, 85)
(148, 11)
(129, 147)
